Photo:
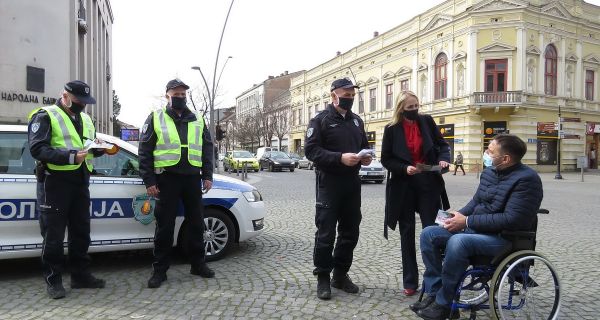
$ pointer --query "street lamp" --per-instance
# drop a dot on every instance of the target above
(211, 92)
(558, 176)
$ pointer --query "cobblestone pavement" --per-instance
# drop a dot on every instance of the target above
(270, 276)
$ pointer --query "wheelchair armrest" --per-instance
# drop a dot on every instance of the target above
(521, 240)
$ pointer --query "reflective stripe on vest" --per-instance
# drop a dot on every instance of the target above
(168, 145)
(65, 136)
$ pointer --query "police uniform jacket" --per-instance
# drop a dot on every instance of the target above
(329, 135)
(40, 133)
(148, 140)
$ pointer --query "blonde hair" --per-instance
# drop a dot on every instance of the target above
(400, 99)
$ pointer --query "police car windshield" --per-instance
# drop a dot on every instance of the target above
(242, 154)
(279, 155)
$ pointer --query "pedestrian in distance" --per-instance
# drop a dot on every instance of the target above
(57, 136)
(508, 198)
(176, 157)
(410, 141)
(458, 163)
(334, 138)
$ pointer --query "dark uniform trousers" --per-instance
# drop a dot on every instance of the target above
(63, 204)
(425, 190)
(173, 188)
(338, 204)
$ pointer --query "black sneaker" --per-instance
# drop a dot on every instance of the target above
(87, 281)
(437, 312)
(56, 290)
(323, 286)
(422, 304)
(157, 279)
(344, 283)
(202, 270)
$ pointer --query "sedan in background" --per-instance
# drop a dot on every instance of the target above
(295, 157)
(372, 172)
(235, 160)
(276, 161)
(305, 163)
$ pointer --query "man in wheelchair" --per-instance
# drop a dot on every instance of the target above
(507, 199)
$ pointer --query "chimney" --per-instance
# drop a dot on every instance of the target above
(271, 77)
(375, 34)
(285, 72)
(338, 53)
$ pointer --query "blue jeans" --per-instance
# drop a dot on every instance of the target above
(440, 280)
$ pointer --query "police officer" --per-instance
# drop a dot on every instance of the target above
(333, 139)
(57, 135)
(175, 147)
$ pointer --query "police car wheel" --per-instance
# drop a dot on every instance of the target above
(219, 234)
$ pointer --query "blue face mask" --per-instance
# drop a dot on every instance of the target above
(487, 160)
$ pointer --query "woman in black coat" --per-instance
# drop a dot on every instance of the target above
(411, 139)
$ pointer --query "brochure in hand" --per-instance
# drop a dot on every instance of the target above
(366, 152)
(428, 167)
(90, 144)
(442, 216)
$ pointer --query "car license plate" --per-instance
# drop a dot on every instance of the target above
(373, 173)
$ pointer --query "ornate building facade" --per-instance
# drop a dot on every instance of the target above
(479, 67)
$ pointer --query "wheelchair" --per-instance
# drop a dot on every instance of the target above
(518, 283)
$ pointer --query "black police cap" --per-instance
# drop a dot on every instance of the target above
(176, 83)
(342, 83)
(81, 91)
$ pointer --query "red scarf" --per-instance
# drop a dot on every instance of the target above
(414, 140)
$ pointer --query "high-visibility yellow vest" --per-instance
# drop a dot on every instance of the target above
(65, 136)
(168, 144)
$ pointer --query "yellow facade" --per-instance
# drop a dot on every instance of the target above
(495, 76)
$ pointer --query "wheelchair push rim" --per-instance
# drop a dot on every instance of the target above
(525, 286)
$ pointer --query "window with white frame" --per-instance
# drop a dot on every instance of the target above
(389, 95)
(404, 86)
(589, 85)
(372, 99)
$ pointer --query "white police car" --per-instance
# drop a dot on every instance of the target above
(234, 210)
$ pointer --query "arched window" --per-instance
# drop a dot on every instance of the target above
(440, 76)
(550, 70)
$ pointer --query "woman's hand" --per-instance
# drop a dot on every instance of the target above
(444, 164)
(411, 170)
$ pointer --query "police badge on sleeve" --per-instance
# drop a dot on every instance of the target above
(355, 122)
(143, 208)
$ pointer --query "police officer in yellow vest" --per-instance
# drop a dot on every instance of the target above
(57, 135)
(176, 156)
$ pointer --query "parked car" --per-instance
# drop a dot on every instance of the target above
(295, 157)
(305, 163)
(372, 172)
(276, 160)
(234, 160)
(233, 210)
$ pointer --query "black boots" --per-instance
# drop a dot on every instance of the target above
(55, 289)
(87, 281)
(157, 279)
(343, 282)
(323, 286)
(202, 270)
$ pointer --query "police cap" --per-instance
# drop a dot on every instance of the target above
(81, 91)
(342, 83)
(176, 83)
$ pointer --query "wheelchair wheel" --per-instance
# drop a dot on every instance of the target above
(525, 286)
(474, 291)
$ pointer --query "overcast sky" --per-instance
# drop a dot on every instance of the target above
(155, 41)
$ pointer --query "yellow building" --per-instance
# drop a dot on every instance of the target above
(479, 67)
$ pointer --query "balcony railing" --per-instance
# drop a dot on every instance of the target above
(506, 97)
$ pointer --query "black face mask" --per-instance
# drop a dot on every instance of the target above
(178, 103)
(411, 114)
(345, 103)
(77, 107)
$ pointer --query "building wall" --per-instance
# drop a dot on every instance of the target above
(469, 34)
(46, 35)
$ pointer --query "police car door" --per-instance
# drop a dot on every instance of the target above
(19, 227)
(120, 211)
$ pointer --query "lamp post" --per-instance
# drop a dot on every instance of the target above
(558, 176)
(211, 92)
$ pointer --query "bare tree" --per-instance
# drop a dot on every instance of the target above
(280, 116)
